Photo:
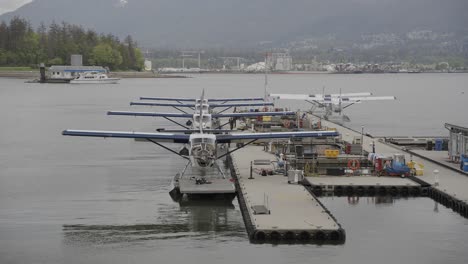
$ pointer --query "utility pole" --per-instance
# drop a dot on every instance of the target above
(266, 79)
(189, 53)
(362, 141)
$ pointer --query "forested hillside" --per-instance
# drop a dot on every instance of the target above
(21, 45)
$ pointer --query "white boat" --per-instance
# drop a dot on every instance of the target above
(93, 78)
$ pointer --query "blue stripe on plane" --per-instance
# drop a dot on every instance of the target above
(168, 99)
(300, 134)
(235, 99)
(209, 100)
(176, 138)
(211, 105)
(155, 114)
(163, 104)
(240, 105)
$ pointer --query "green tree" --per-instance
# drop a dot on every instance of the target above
(104, 55)
(139, 60)
(56, 61)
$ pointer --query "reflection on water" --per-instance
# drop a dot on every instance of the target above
(194, 220)
(387, 199)
(114, 193)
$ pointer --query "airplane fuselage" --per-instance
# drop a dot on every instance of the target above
(202, 149)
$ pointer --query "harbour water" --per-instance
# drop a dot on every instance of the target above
(85, 200)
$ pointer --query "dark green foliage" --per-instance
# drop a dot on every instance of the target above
(20, 45)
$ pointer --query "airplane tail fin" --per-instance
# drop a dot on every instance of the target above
(201, 111)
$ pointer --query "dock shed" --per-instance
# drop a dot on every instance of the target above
(70, 72)
(458, 142)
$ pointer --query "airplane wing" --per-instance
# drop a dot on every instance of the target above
(240, 137)
(372, 98)
(344, 94)
(235, 99)
(211, 105)
(163, 104)
(209, 100)
(168, 99)
(158, 137)
(181, 115)
(155, 114)
(253, 114)
(316, 96)
(241, 104)
(191, 131)
(291, 96)
(336, 100)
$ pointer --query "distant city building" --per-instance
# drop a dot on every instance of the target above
(148, 65)
(279, 61)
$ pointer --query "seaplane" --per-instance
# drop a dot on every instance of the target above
(203, 114)
(203, 146)
(332, 103)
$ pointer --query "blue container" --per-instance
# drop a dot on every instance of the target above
(464, 163)
(438, 144)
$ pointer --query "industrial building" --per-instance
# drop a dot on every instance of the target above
(68, 72)
(458, 144)
(279, 61)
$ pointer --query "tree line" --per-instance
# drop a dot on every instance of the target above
(21, 45)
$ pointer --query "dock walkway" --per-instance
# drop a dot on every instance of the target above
(448, 186)
(439, 157)
(279, 211)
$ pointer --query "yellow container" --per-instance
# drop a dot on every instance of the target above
(331, 153)
(266, 118)
(419, 172)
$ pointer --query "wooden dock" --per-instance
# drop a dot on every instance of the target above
(276, 210)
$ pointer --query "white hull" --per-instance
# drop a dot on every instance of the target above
(102, 81)
(93, 78)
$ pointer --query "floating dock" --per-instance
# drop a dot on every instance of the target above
(364, 185)
(447, 185)
(203, 184)
(277, 211)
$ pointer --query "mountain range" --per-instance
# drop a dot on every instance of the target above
(247, 23)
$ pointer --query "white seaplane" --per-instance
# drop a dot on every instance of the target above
(209, 119)
(332, 103)
(202, 150)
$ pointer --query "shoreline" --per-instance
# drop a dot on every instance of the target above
(35, 75)
(124, 75)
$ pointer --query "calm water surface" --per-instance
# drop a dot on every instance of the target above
(85, 200)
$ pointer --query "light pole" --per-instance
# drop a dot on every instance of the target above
(362, 141)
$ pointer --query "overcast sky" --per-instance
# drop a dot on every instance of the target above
(10, 5)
